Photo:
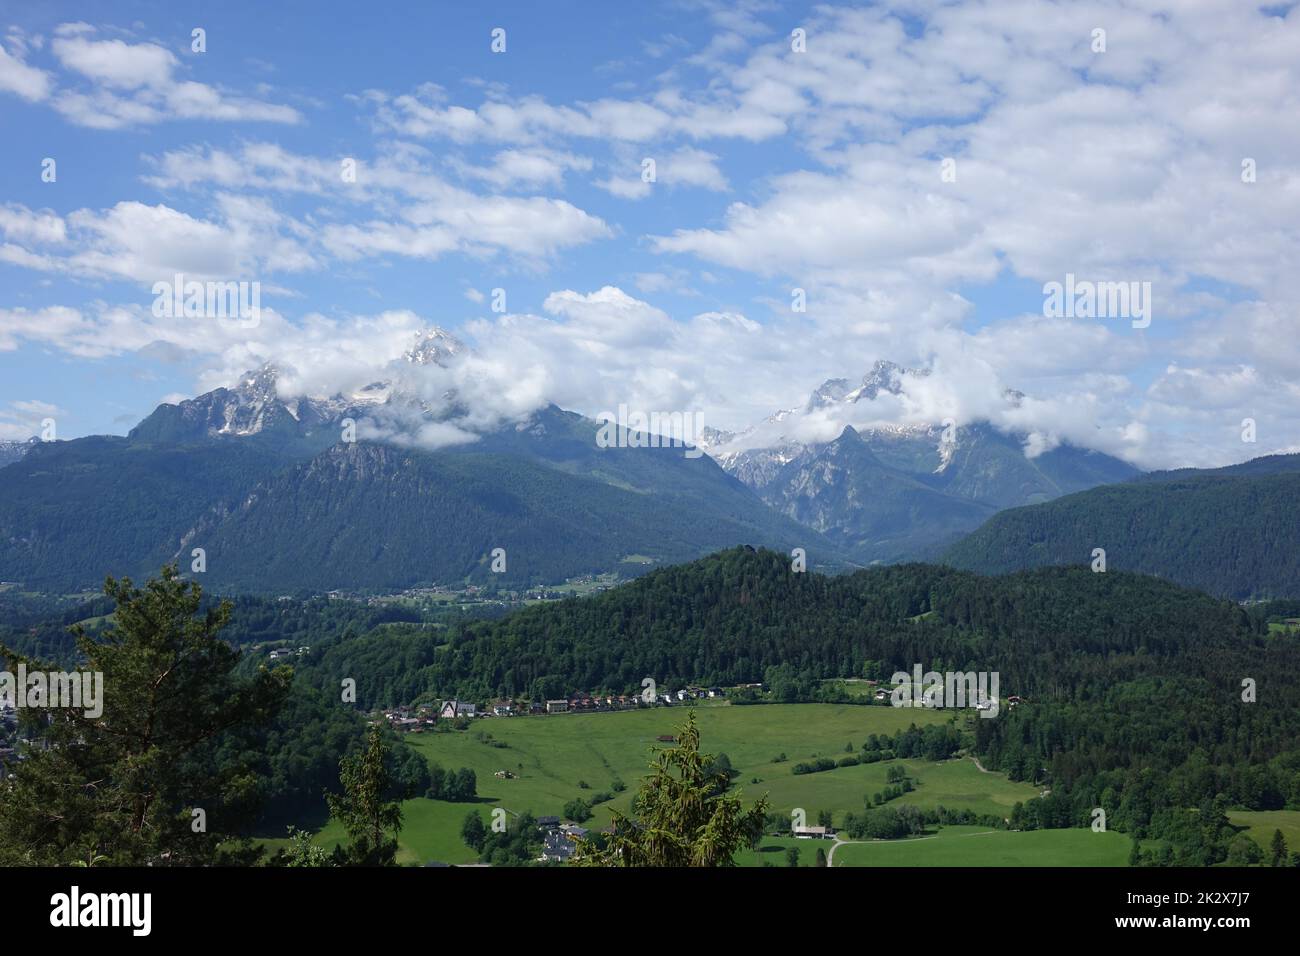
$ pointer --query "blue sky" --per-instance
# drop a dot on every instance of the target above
(777, 169)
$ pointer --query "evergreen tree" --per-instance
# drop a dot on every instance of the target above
(362, 809)
(135, 784)
(1278, 849)
(473, 832)
(682, 819)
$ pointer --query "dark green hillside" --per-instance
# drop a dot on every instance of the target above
(372, 516)
(72, 512)
(273, 520)
(1266, 465)
(1133, 684)
(886, 497)
(1233, 535)
(731, 617)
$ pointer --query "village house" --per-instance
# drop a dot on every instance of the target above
(451, 709)
(557, 706)
(557, 847)
(813, 833)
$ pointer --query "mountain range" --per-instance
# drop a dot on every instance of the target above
(12, 451)
(279, 498)
(888, 492)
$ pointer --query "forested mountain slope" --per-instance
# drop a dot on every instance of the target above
(1231, 532)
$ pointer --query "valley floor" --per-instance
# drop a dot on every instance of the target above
(552, 757)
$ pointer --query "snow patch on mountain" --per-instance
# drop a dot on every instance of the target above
(410, 392)
(755, 454)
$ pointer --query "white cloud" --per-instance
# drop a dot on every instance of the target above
(531, 227)
(424, 216)
(528, 168)
(26, 81)
(110, 83)
(425, 114)
(413, 214)
(1124, 165)
(144, 243)
(114, 63)
(25, 225)
(686, 166)
(23, 419)
(55, 325)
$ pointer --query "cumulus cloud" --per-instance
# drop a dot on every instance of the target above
(17, 77)
(423, 215)
(246, 236)
(927, 152)
(113, 63)
(20, 420)
(682, 167)
(524, 168)
(110, 83)
(144, 243)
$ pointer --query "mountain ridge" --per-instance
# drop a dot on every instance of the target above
(909, 490)
(1230, 532)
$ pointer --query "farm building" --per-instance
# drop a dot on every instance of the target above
(814, 833)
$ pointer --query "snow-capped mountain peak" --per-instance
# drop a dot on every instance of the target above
(434, 346)
(830, 392)
(257, 403)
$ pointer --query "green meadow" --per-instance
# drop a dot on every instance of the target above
(1260, 825)
(552, 757)
(772, 850)
(979, 846)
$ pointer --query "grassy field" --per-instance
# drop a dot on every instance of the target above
(978, 846)
(553, 756)
(772, 850)
(1262, 823)
(854, 687)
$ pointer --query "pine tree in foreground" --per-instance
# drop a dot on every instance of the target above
(362, 809)
(683, 815)
(135, 784)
